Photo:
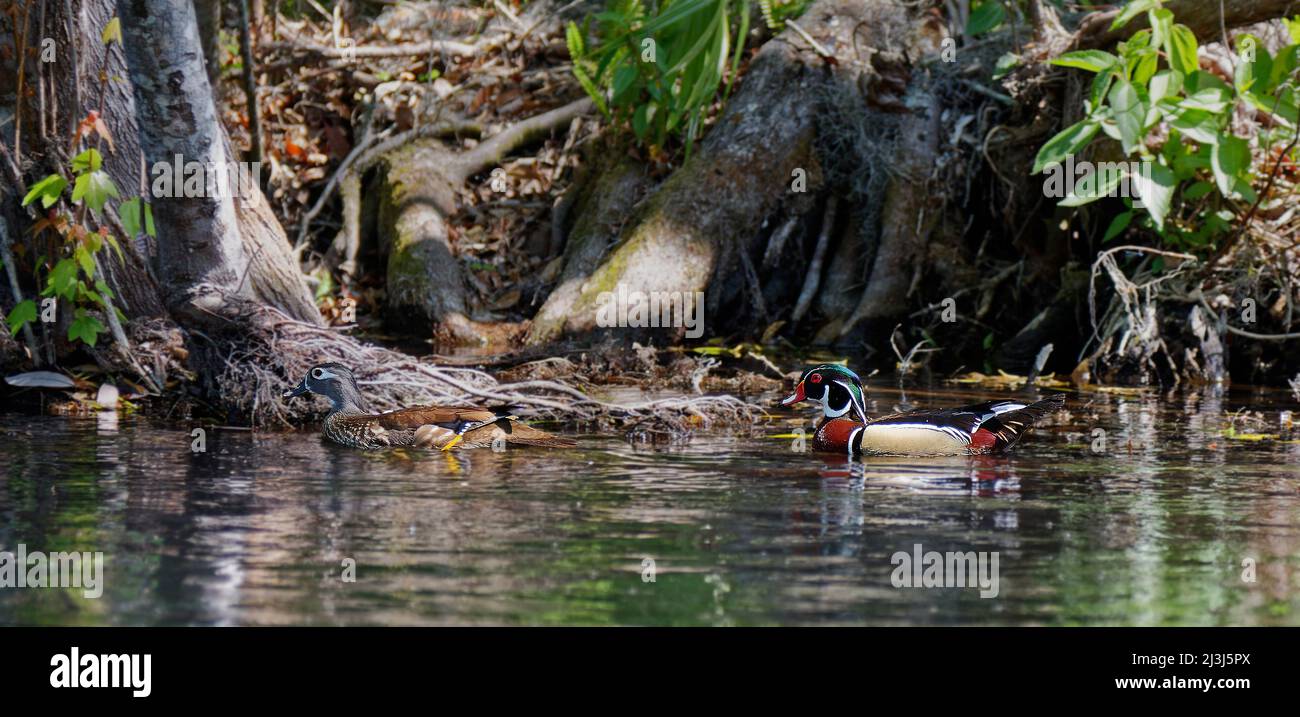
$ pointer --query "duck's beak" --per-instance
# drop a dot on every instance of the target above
(795, 397)
(298, 390)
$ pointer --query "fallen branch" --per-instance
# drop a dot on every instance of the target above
(411, 49)
(1205, 18)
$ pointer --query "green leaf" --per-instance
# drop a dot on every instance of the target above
(1162, 22)
(1066, 142)
(1100, 86)
(624, 77)
(112, 32)
(1117, 225)
(1099, 184)
(85, 327)
(1197, 190)
(103, 289)
(129, 211)
(1231, 157)
(1255, 75)
(1165, 83)
(23, 313)
(85, 261)
(1198, 125)
(1182, 50)
(1129, 113)
(1144, 66)
(1283, 64)
(1293, 28)
(1210, 99)
(89, 160)
(1155, 184)
(1132, 10)
(62, 280)
(47, 189)
(1090, 60)
(95, 188)
(573, 39)
(986, 17)
(641, 120)
(1006, 63)
(590, 88)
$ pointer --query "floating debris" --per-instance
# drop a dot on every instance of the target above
(41, 379)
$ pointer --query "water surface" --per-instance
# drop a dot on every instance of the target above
(1151, 528)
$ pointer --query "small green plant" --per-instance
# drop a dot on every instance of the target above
(67, 269)
(985, 17)
(659, 72)
(776, 12)
(1175, 119)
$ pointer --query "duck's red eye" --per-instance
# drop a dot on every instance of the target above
(815, 378)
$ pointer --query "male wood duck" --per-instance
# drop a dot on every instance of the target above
(990, 427)
(443, 427)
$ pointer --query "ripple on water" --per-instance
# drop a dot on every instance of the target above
(1152, 529)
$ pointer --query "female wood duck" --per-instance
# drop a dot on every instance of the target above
(990, 427)
(350, 424)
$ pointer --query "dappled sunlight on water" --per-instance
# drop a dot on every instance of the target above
(1149, 526)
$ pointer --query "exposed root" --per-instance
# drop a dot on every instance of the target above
(253, 373)
(1130, 330)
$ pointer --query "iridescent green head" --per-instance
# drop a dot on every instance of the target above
(836, 388)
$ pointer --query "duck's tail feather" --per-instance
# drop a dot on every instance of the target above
(526, 435)
(1010, 426)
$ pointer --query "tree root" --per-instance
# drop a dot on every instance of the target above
(251, 368)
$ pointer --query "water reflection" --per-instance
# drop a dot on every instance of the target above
(1158, 527)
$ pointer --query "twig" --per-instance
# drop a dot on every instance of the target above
(1242, 332)
(250, 84)
(412, 49)
(816, 46)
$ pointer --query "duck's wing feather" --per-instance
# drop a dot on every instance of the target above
(479, 426)
(1007, 427)
(456, 418)
(955, 418)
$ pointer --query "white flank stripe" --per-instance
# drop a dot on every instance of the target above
(853, 435)
(956, 433)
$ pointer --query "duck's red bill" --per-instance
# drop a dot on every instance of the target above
(795, 397)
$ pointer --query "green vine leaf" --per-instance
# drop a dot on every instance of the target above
(95, 188)
(62, 280)
(22, 314)
(48, 189)
(112, 32)
(88, 161)
(85, 328)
